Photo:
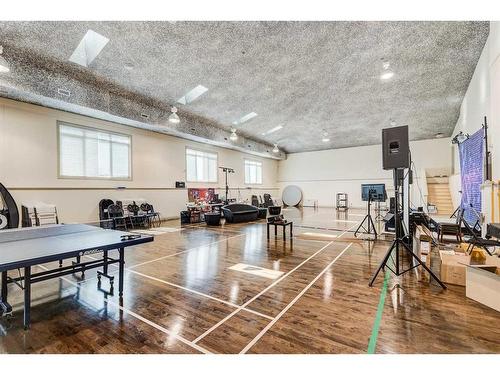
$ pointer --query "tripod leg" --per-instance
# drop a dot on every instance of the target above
(423, 265)
(360, 226)
(382, 264)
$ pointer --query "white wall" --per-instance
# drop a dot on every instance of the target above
(482, 99)
(28, 165)
(321, 174)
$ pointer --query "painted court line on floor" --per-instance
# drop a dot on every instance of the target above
(143, 319)
(201, 294)
(378, 317)
(263, 292)
(184, 251)
(271, 323)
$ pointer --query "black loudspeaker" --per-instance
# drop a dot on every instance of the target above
(395, 148)
(180, 184)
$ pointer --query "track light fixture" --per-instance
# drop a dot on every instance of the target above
(459, 138)
(276, 149)
(233, 137)
(4, 65)
(174, 118)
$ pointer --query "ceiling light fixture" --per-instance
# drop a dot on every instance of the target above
(245, 118)
(89, 47)
(4, 65)
(325, 137)
(386, 73)
(439, 135)
(233, 137)
(460, 137)
(174, 118)
(392, 122)
(275, 129)
(192, 95)
(276, 149)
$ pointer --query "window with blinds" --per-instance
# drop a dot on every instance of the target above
(201, 166)
(253, 172)
(93, 153)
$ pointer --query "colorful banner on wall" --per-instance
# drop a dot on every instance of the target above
(471, 171)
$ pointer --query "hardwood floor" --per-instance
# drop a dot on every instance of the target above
(182, 297)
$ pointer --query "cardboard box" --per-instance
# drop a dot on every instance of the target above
(483, 284)
(453, 267)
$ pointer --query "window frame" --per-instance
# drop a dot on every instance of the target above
(65, 177)
(261, 171)
(206, 152)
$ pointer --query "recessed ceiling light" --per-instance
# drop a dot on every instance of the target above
(393, 122)
(192, 95)
(89, 47)
(325, 137)
(174, 118)
(245, 118)
(386, 73)
(129, 66)
(276, 149)
(439, 135)
(275, 129)
(4, 65)
(233, 137)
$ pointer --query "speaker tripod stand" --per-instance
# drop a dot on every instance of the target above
(368, 221)
(399, 246)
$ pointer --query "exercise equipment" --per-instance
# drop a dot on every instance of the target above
(9, 214)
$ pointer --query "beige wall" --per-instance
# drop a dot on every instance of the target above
(28, 165)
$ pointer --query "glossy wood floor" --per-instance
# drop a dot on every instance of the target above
(181, 297)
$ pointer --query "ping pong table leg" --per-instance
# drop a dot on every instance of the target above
(5, 308)
(121, 270)
(27, 297)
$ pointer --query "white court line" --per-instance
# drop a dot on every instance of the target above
(265, 290)
(143, 319)
(261, 333)
(184, 251)
(186, 289)
(201, 294)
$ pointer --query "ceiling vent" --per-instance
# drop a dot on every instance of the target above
(64, 92)
(88, 48)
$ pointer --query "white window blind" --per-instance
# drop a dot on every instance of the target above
(92, 153)
(253, 172)
(201, 166)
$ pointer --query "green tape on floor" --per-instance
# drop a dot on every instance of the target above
(378, 317)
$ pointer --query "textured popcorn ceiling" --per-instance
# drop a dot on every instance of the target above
(305, 76)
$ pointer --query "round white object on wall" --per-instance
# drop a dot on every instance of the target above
(292, 195)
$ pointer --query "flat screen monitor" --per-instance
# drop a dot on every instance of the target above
(374, 192)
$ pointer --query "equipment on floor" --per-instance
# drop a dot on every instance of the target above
(226, 171)
(370, 193)
(268, 201)
(29, 247)
(292, 195)
(103, 210)
(38, 214)
(395, 148)
(342, 203)
(400, 241)
(9, 214)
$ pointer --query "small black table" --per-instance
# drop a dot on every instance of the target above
(284, 225)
